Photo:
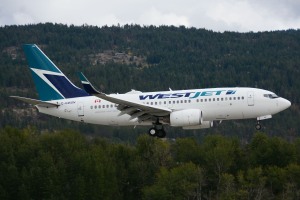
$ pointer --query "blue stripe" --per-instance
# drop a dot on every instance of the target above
(63, 85)
(89, 89)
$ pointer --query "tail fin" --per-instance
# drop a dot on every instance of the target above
(50, 82)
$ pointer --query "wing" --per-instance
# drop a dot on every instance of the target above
(135, 109)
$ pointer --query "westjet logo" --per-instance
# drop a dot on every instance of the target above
(190, 95)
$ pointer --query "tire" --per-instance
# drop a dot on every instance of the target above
(161, 133)
(258, 127)
(152, 132)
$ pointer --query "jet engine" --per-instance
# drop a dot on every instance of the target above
(205, 124)
(188, 117)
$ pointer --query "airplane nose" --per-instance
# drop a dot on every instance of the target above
(284, 104)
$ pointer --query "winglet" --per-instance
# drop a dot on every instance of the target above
(88, 87)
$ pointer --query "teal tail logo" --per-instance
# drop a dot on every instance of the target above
(50, 82)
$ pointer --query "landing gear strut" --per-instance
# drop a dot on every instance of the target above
(157, 132)
(258, 126)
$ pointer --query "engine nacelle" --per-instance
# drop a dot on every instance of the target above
(205, 124)
(188, 117)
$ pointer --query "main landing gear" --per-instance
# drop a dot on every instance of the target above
(154, 132)
(157, 132)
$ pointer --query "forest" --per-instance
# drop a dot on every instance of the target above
(43, 157)
(67, 165)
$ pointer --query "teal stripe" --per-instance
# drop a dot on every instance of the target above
(46, 92)
(37, 59)
(82, 77)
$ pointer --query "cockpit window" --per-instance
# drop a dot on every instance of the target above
(271, 96)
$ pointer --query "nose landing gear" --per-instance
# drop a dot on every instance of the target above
(258, 126)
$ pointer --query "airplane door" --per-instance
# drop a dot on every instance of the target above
(80, 109)
(250, 98)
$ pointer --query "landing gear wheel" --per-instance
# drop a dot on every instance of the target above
(161, 133)
(152, 132)
(258, 126)
(157, 130)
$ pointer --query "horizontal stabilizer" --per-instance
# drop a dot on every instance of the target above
(36, 102)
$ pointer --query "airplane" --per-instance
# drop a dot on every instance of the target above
(189, 109)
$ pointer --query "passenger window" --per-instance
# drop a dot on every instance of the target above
(107, 106)
(99, 106)
(91, 107)
(189, 101)
(103, 106)
(95, 107)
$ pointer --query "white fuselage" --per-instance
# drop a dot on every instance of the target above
(215, 104)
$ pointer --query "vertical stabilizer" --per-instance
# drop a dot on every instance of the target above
(50, 82)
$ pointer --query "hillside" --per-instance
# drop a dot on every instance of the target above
(118, 59)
